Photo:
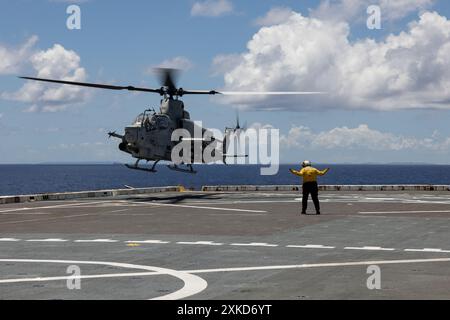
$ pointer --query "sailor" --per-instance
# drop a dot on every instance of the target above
(309, 174)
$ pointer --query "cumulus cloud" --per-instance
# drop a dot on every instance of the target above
(275, 15)
(54, 63)
(12, 59)
(179, 62)
(224, 62)
(400, 8)
(211, 8)
(349, 10)
(69, 1)
(403, 71)
(361, 137)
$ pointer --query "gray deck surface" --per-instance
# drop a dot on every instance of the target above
(215, 245)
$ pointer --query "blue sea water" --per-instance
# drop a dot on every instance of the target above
(32, 179)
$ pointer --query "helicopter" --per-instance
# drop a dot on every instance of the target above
(149, 137)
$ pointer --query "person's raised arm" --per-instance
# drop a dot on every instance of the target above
(297, 173)
(323, 172)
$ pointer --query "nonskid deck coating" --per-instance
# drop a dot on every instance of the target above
(228, 245)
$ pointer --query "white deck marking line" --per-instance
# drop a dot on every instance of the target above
(118, 211)
(53, 207)
(244, 202)
(206, 243)
(317, 265)
(212, 243)
(428, 250)
(96, 276)
(369, 248)
(254, 244)
(311, 246)
(148, 241)
(25, 213)
(381, 198)
(412, 211)
(47, 219)
(237, 214)
(197, 284)
(200, 207)
(192, 284)
(47, 240)
(97, 240)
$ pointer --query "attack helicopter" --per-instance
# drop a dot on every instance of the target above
(149, 137)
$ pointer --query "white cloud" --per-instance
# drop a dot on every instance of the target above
(404, 71)
(400, 8)
(179, 62)
(361, 137)
(350, 10)
(69, 1)
(54, 63)
(12, 59)
(224, 62)
(276, 15)
(211, 8)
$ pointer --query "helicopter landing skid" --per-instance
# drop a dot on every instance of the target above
(136, 167)
(189, 169)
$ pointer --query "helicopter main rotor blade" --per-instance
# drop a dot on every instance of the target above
(211, 92)
(96, 85)
(268, 93)
(170, 89)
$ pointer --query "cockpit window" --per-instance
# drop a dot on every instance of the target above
(139, 119)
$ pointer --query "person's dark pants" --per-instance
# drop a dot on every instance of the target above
(313, 189)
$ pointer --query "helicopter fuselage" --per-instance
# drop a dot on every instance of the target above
(150, 136)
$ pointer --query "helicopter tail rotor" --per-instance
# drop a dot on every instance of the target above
(238, 123)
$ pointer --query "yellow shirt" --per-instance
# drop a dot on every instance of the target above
(309, 174)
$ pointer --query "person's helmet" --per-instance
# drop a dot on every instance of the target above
(306, 163)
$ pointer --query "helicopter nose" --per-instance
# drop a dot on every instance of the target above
(123, 147)
(131, 134)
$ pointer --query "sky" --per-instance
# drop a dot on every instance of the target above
(387, 90)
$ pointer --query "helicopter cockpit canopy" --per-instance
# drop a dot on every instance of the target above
(152, 122)
(160, 121)
(139, 119)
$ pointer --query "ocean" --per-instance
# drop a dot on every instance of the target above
(32, 179)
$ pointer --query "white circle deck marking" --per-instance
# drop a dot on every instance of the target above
(318, 265)
(192, 284)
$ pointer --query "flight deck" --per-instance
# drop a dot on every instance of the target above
(227, 245)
